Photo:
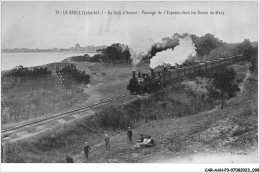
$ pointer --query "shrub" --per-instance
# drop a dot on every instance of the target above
(99, 58)
(254, 60)
(84, 58)
(77, 75)
(114, 117)
(21, 71)
(116, 53)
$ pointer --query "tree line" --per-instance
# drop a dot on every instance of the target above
(116, 53)
(208, 47)
(250, 52)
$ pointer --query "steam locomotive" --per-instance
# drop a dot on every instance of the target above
(147, 83)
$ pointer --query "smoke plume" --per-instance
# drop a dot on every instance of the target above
(181, 52)
(165, 44)
(138, 49)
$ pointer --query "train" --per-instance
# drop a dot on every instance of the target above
(147, 83)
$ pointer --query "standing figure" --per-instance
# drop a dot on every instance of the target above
(86, 149)
(129, 134)
(107, 141)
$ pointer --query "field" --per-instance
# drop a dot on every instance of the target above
(43, 97)
(186, 129)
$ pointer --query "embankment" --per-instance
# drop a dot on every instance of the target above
(159, 115)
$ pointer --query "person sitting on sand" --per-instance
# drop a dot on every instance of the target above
(146, 141)
(141, 139)
(149, 142)
(152, 142)
(141, 142)
(137, 145)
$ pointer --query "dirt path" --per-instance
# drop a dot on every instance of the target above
(242, 86)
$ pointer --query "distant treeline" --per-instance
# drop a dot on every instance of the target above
(208, 47)
(71, 49)
(116, 53)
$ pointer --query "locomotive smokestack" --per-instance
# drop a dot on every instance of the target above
(133, 74)
(139, 75)
(152, 73)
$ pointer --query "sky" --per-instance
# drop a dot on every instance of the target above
(28, 24)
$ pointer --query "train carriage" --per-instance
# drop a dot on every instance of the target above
(202, 66)
(173, 74)
(208, 64)
(157, 79)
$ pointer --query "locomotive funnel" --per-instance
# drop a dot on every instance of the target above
(152, 73)
(133, 74)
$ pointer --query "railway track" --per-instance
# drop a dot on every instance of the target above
(8, 131)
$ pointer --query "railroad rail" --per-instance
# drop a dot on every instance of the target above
(175, 76)
(8, 131)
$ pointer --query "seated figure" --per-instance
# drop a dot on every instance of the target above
(141, 139)
(147, 142)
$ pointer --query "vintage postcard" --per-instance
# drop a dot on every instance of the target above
(159, 82)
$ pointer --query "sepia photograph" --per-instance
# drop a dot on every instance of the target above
(155, 82)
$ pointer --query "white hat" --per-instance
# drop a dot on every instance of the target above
(86, 143)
